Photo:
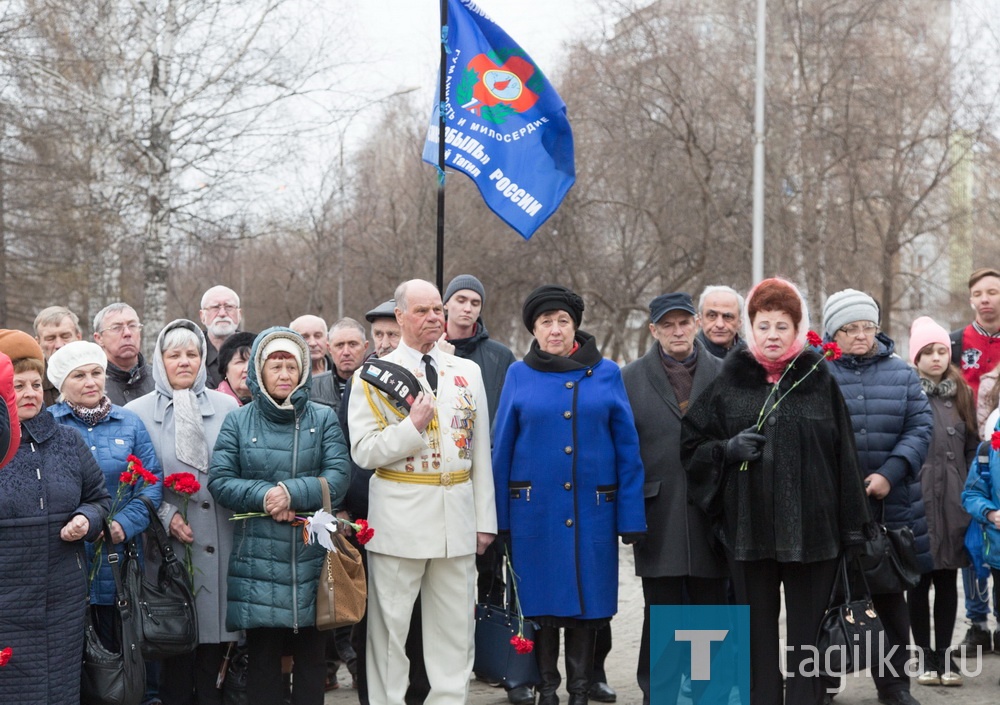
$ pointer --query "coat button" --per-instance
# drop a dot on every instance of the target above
(590, 373)
(568, 449)
(950, 455)
(93, 447)
(568, 486)
(951, 431)
(861, 396)
(771, 421)
(567, 414)
(209, 549)
(569, 522)
(206, 505)
(863, 431)
(569, 385)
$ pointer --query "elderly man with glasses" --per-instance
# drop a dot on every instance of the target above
(221, 315)
(118, 331)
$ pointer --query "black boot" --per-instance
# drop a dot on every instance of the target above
(579, 663)
(547, 653)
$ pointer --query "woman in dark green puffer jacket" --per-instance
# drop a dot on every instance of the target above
(268, 457)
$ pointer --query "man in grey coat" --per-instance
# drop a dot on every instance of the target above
(677, 560)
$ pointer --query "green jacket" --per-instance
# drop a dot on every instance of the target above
(272, 574)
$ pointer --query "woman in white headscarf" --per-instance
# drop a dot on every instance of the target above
(183, 419)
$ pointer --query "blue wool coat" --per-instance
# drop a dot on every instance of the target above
(892, 423)
(111, 441)
(43, 579)
(273, 575)
(568, 479)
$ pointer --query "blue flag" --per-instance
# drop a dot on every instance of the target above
(505, 125)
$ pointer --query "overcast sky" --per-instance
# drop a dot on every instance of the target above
(404, 34)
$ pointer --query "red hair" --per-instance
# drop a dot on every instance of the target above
(775, 295)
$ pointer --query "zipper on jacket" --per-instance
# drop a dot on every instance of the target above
(295, 563)
(38, 474)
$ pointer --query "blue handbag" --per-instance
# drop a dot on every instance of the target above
(496, 658)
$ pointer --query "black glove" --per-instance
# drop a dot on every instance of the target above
(745, 445)
(632, 538)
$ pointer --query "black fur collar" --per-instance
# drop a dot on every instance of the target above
(740, 369)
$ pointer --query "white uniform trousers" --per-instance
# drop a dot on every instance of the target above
(447, 598)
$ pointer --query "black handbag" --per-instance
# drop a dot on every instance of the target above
(850, 631)
(496, 657)
(890, 561)
(109, 677)
(165, 610)
(234, 682)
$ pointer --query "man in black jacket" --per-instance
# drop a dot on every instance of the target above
(118, 331)
(465, 330)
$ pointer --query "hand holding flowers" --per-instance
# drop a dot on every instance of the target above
(185, 484)
(132, 481)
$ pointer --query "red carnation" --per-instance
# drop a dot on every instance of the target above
(363, 532)
(995, 440)
(813, 339)
(831, 351)
(522, 645)
(5, 656)
(182, 483)
(127, 478)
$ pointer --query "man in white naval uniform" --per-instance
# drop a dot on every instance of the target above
(431, 505)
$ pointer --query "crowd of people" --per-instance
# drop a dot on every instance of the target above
(743, 457)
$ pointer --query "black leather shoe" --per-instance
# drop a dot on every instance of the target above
(903, 697)
(521, 696)
(602, 693)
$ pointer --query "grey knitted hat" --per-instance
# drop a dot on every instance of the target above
(464, 281)
(846, 307)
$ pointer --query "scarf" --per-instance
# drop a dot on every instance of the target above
(190, 445)
(680, 374)
(92, 416)
(585, 355)
(775, 368)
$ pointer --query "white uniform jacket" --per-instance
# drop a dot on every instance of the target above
(426, 520)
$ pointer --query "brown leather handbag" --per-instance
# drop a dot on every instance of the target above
(343, 591)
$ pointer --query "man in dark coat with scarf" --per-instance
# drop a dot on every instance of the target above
(677, 561)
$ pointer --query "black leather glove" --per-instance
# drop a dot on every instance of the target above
(745, 445)
(632, 538)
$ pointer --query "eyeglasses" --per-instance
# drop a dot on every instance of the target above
(119, 328)
(854, 329)
(226, 308)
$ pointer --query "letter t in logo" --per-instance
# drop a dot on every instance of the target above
(701, 649)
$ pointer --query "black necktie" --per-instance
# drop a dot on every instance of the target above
(432, 375)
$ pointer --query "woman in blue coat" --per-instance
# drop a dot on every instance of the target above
(892, 429)
(269, 457)
(112, 434)
(568, 482)
(52, 499)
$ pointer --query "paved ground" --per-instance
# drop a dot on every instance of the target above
(627, 628)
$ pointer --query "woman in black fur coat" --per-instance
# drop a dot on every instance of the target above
(783, 487)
